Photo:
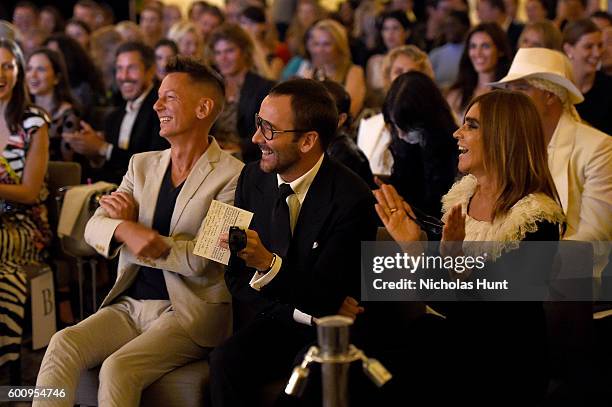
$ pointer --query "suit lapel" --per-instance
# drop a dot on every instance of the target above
(315, 209)
(196, 177)
(140, 136)
(151, 188)
(559, 152)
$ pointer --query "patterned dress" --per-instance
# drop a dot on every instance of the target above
(24, 235)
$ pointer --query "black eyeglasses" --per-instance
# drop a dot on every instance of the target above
(267, 130)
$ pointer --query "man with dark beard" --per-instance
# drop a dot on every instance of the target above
(301, 260)
(132, 127)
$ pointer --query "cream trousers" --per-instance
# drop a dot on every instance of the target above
(136, 341)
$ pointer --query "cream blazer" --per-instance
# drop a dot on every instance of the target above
(196, 285)
(580, 161)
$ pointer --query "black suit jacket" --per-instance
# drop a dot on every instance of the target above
(253, 91)
(322, 265)
(514, 32)
(144, 137)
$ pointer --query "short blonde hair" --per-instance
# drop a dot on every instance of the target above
(182, 28)
(419, 57)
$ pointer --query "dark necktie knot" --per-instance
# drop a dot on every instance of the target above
(284, 190)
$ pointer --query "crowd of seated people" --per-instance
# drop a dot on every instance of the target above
(301, 112)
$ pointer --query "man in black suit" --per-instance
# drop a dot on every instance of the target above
(131, 128)
(301, 260)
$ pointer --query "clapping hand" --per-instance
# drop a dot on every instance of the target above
(453, 233)
(392, 210)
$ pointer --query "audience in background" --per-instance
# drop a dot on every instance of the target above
(25, 17)
(583, 44)
(486, 58)
(494, 11)
(366, 37)
(536, 10)
(394, 29)
(89, 12)
(231, 51)
(268, 61)
(171, 15)
(209, 19)
(329, 56)
(601, 19)
(79, 31)
(164, 50)
(445, 59)
(541, 34)
(104, 43)
(151, 25)
(187, 38)
(129, 31)
(47, 81)
(568, 11)
(307, 13)
(50, 20)
(437, 13)
(86, 83)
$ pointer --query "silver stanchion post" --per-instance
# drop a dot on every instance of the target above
(335, 353)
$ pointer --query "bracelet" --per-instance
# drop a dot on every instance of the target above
(271, 264)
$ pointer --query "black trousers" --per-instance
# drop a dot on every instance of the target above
(260, 353)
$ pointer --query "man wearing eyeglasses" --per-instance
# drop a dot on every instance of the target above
(301, 260)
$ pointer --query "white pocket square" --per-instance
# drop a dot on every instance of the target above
(315, 245)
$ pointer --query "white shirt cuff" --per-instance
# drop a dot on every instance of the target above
(259, 280)
(302, 318)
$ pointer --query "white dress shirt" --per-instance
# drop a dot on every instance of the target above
(300, 186)
(127, 124)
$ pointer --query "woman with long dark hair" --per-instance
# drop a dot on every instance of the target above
(424, 151)
(24, 230)
(47, 81)
(486, 58)
(84, 78)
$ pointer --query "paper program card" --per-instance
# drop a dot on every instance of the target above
(218, 220)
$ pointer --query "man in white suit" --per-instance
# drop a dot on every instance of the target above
(168, 307)
(579, 156)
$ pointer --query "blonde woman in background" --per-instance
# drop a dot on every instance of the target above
(185, 35)
(253, 20)
(373, 137)
(365, 31)
(329, 56)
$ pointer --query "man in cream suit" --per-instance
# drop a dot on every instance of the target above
(168, 306)
(579, 156)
